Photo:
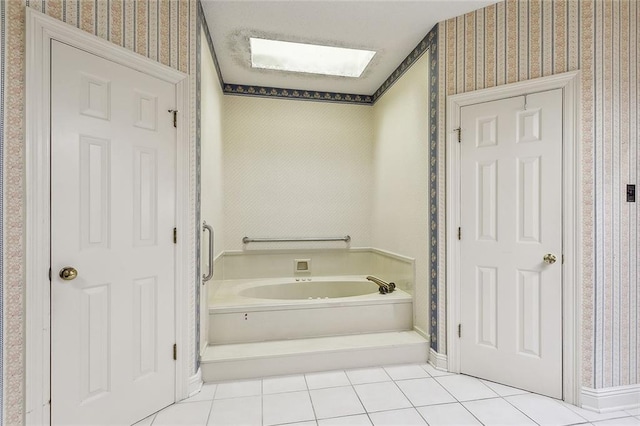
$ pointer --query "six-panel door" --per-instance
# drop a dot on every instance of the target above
(511, 217)
(112, 217)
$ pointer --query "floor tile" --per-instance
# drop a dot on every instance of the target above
(465, 388)
(406, 417)
(434, 372)
(359, 420)
(367, 375)
(327, 380)
(424, 392)
(286, 408)
(206, 393)
(625, 421)
(544, 411)
(239, 389)
(312, 423)
(236, 411)
(402, 372)
(503, 390)
(146, 421)
(448, 414)
(195, 413)
(336, 402)
(634, 412)
(381, 396)
(592, 416)
(496, 411)
(283, 384)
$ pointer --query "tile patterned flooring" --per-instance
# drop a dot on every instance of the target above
(395, 395)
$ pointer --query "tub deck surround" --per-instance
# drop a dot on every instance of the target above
(284, 357)
(265, 319)
(292, 312)
(274, 263)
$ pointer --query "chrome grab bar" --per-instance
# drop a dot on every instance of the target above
(247, 240)
(206, 277)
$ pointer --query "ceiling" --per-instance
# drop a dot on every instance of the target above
(391, 28)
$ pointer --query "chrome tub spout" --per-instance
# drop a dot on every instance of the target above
(383, 286)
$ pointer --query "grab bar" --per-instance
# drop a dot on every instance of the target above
(247, 240)
(206, 277)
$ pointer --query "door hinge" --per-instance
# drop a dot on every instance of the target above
(49, 274)
(175, 117)
(563, 259)
(459, 233)
(175, 235)
(175, 352)
(459, 130)
(459, 330)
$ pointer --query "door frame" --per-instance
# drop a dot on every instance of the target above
(571, 218)
(40, 31)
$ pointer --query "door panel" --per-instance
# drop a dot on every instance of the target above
(112, 218)
(511, 216)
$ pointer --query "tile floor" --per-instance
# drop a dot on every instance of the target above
(396, 395)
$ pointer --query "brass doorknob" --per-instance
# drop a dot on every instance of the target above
(68, 273)
(549, 258)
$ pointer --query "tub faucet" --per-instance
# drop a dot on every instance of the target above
(384, 286)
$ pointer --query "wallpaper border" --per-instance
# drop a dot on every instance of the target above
(430, 42)
(295, 94)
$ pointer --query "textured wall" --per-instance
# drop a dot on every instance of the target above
(211, 169)
(296, 169)
(158, 29)
(400, 212)
(518, 40)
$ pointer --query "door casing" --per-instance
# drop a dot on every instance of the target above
(40, 30)
(571, 218)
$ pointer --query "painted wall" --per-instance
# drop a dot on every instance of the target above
(518, 40)
(211, 194)
(158, 29)
(400, 200)
(296, 169)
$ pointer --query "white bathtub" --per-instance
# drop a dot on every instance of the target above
(286, 308)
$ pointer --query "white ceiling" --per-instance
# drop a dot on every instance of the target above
(391, 28)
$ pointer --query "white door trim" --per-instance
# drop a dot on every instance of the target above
(572, 214)
(40, 31)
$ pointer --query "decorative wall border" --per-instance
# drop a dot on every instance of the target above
(430, 43)
(304, 95)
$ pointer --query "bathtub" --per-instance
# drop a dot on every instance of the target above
(255, 310)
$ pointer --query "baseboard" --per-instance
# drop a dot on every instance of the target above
(611, 399)
(195, 383)
(438, 361)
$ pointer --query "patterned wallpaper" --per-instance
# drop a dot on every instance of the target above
(159, 29)
(519, 40)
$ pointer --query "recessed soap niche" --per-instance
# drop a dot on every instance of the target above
(302, 266)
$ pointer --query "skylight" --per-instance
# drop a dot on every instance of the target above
(309, 58)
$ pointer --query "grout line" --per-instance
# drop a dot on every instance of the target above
(525, 414)
(213, 398)
(313, 407)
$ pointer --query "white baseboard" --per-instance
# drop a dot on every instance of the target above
(611, 399)
(195, 383)
(439, 361)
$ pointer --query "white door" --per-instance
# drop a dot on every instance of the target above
(511, 218)
(113, 173)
